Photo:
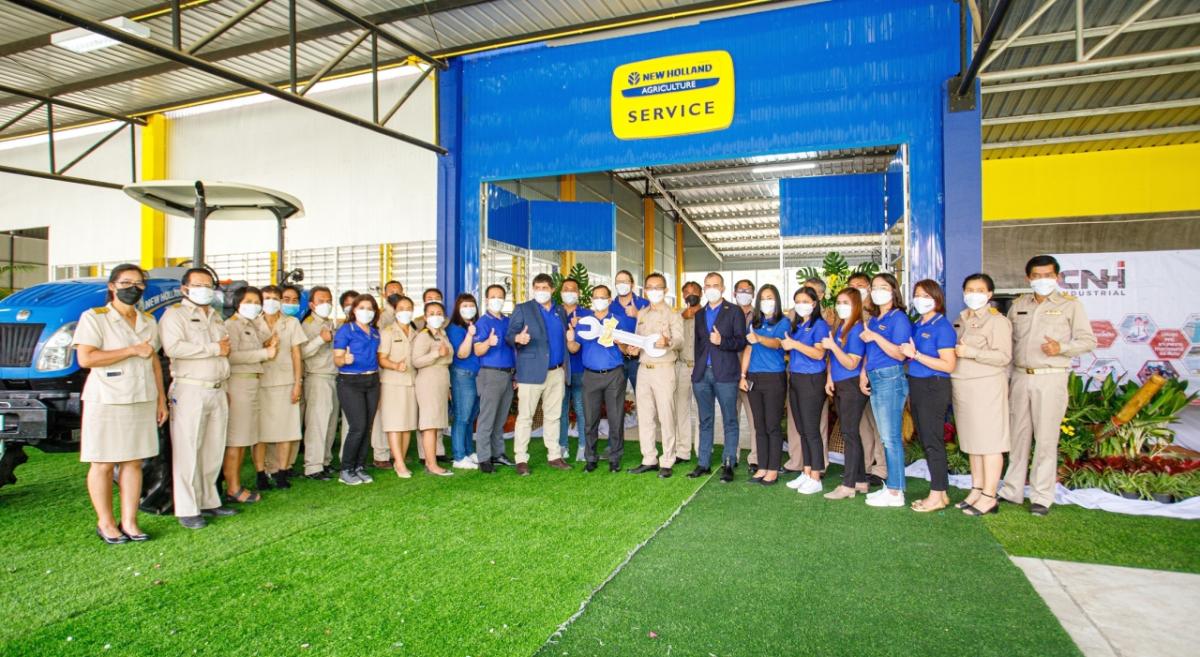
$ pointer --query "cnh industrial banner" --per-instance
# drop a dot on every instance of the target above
(676, 95)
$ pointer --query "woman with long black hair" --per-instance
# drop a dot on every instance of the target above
(764, 381)
(846, 348)
(884, 380)
(356, 353)
(806, 385)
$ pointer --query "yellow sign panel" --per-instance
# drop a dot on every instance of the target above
(675, 95)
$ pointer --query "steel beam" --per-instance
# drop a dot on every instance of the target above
(336, 8)
(92, 149)
(1147, 25)
(1095, 111)
(1138, 13)
(1072, 139)
(683, 214)
(54, 176)
(337, 59)
(1127, 74)
(69, 104)
(1028, 22)
(224, 27)
(1091, 64)
(24, 113)
(967, 81)
(407, 94)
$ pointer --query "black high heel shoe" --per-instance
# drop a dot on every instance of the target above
(136, 538)
(974, 511)
(112, 541)
(963, 504)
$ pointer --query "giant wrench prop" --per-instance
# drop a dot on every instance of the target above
(589, 328)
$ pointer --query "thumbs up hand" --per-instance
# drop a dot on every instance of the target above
(751, 337)
(492, 339)
(471, 330)
(909, 349)
(827, 342)
(348, 358)
(1051, 347)
(522, 337)
(143, 349)
(715, 336)
(326, 334)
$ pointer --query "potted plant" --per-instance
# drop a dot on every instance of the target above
(835, 271)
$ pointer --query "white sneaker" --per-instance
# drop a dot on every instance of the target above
(877, 493)
(809, 487)
(581, 454)
(465, 464)
(890, 498)
(796, 483)
(474, 459)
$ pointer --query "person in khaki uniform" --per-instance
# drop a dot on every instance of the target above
(320, 385)
(397, 378)
(656, 394)
(432, 355)
(392, 291)
(123, 400)
(979, 385)
(280, 390)
(1049, 328)
(194, 338)
(249, 347)
(685, 426)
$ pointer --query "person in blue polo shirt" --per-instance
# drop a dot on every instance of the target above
(883, 379)
(764, 382)
(603, 383)
(463, 373)
(806, 385)
(845, 348)
(494, 382)
(625, 308)
(356, 353)
(931, 360)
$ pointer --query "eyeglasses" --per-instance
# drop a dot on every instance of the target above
(201, 285)
(125, 284)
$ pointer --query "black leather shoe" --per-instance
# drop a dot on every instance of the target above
(664, 473)
(263, 481)
(117, 540)
(755, 480)
(487, 467)
(681, 461)
(874, 480)
(221, 511)
(193, 522)
(643, 468)
(1039, 510)
(137, 538)
(318, 476)
(614, 467)
(700, 471)
(442, 458)
(503, 460)
(281, 480)
(726, 474)
(768, 482)
(590, 467)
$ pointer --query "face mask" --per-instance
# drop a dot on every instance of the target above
(271, 306)
(804, 309)
(570, 298)
(712, 294)
(599, 305)
(348, 310)
(744, 298)
(435, 321)
(623, 289)
(922, 304)
(364, 315)
(201, 296)
(323, 310)
(467, 312)
(250, 310)
(541, 296)
(881, 297)
(975, 300)
(129, 295)
(404, 317)
(495, 305)
(768, 306)
(862, 292)
(843, 310)
(1044, 286)
(655, 296)
(692, 299)
(392, 299)
(291, 309)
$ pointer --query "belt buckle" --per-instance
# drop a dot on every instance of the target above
(1030, 371)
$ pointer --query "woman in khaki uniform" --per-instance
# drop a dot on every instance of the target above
(249, 347)
(397, 376)
(980, 391)
(280, 389)
(432, 355)
(123, 400)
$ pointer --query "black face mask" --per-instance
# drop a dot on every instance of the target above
(392, 299)
(692, 299)
(129, 295)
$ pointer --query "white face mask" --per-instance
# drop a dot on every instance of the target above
(495, 305)
(712, 294)
(271, 306)
(862, 292)
(655, 296)
(881, 297)
(922, 304)
(468, 312)
(404, 317)
(435, 321)
(975, 300)
(250, 310)
(599, 305)
(1044, 286)
(844, 310)
(570, 298)
(324, 310)
(541, 296)
(201, 296)
(744, 298)
(364, 315)
(768, 306)
(623, 289)
(804, 309)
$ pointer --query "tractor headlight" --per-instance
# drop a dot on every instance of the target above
(58, 350)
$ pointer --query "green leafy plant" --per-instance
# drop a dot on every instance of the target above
(835, 271)
(1090, 411)
(578, 273)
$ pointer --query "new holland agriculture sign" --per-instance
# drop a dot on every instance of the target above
(675, 95)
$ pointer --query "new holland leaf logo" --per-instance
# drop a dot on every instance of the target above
(634, 77)
(674, 95)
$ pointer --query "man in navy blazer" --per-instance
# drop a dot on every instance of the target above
(720, 338)
(542, 336)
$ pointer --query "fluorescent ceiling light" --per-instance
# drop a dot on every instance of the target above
(775, 168)
(82, 40)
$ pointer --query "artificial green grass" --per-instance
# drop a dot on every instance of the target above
(468, 565)
(747, 570)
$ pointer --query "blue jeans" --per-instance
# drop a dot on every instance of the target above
(889, 389)
(572, 395)
(707, 391)
(466, 408)
(631, 369)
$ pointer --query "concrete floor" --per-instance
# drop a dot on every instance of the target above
(1120, 612)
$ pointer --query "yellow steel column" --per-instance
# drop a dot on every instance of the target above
(274, 268)
(386, 263)
(678, 264)
(566, 192)
(154, 167)
(648, 222)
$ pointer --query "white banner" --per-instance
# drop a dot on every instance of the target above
(1145, 311)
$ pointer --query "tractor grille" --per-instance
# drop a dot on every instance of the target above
(17, 342)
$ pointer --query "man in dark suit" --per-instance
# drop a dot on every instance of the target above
(720, 338)
(541, 334)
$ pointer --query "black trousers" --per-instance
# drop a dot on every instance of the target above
(359, 396)
(929, 398)
(807, 392)
(851, 404)
(767, 401)
(607, 388)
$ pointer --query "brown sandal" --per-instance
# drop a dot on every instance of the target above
(920, 507)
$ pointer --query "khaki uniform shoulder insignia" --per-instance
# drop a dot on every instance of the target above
(147, 315)
(994, 311)
(1069, 297)
(101, 310)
